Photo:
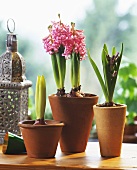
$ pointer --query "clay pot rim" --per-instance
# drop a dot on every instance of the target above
(30, 124)
(110, 107)
(88, 95)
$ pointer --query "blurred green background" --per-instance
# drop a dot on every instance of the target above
(110, 21)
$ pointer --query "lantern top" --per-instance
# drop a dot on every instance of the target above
(11, 37)
(12, 63)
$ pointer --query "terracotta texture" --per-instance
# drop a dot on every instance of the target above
(110, 122)
(77, 115)
(41, 140)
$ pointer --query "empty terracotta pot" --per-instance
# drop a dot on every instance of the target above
(77, 115)
(110, 123)
(41, 140)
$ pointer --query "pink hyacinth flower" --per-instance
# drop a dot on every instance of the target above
(58, 37)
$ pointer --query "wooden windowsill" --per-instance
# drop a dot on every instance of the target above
(90, 159)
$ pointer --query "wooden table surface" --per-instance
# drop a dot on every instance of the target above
(90, 159)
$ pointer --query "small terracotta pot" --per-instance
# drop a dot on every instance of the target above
(110, 123)
(41, 140)
(77, 114)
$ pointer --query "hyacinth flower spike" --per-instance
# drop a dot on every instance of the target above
(77, 55)
(54, 44)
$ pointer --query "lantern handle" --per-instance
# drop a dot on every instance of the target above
(8, 25)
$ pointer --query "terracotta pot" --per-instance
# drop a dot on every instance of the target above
(130, 129)
(41, 140)
(130, 134)
(110, 122)
(77, 114)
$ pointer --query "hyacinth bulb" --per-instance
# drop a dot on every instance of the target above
(40, 97)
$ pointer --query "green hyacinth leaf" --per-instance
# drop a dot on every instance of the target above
(113, 51)
(55, 70)
(98, 76)
(105, 67)
(40, 97)
(37, 97)
(75, 70)
(105, 49)
(61, 61)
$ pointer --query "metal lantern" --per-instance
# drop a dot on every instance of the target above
(13, 88)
